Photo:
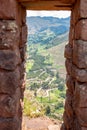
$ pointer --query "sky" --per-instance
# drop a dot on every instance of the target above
(59, 14)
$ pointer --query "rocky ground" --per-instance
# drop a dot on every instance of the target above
(40, 123)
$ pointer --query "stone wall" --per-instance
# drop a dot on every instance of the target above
(75, 115)
(13, 35)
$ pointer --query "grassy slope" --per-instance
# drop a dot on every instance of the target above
(57, 53)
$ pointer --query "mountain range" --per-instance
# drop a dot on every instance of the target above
(46, 30)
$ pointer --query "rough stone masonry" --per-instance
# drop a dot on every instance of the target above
(13, 36)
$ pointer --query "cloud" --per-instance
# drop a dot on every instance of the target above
(59, 14)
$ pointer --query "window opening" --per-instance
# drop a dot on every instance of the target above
(45, 65)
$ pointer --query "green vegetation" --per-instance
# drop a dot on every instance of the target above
(48, 30)
(55, 100)
(45, 69)
(51, 104)
(32, 108)
(48, 110)
(42, 74)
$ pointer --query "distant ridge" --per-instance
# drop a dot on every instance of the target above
(45, 29)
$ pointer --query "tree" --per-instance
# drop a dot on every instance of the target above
(57, 75)
(59, 105)
(34, 86)
(61, 87)
(48, 110)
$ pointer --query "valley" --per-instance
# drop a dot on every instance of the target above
(45, 69)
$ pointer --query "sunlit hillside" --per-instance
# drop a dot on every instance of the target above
(45, 67)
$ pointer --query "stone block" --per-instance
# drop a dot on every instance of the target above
(8, 9)
(68, 52)
(76, 124)
(62, 127)
(10, 124)
(71, 35)
(24, 34)
(75, 13)
(81, 30)
(79, 74)
(9, 81)
(69, 96)
(9, 104)
(19, 115)
(23, 39)
(84, 128)
(9, 34)
(23, 15)
(83, 9)
(70, 83)
(80, 102)
(23, 53)
(80, 53)
(19, 15)
(69, 111)
(22, 70)
(80, 95)
(9, 59)
(79, 11)
(81, 114)
(68, 64)
(68, 104)
(67, 121)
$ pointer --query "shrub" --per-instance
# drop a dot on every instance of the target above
(61, 87)
(32, 108)
(59, 105)
(48, 110)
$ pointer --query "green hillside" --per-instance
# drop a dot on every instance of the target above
(45, 30)
(45, 67)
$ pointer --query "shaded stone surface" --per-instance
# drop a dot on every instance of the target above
(81, 92)
(9, 81)
(75, 115)
(9, 34)
(80, 53)
(68, 51)
(79, 74)
(68, 64)
(83, 9)
(81, 113)
(9, 105)
(13, 37)
(70, 83)
(81, 30)
(9, 124)
(84, 128)
(6, 13)
(9, 59)
(24, 34)
(12, 22)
